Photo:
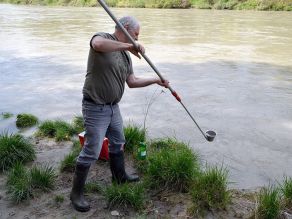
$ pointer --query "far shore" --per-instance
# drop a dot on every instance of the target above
(258, 5)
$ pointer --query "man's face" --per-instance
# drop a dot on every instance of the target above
(134, 32)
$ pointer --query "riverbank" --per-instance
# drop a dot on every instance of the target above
(261, 5)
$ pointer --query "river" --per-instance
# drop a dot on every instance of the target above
(232, 69)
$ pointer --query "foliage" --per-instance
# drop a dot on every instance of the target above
(286, 190)
(26, 120)
(18, 183)
(210, 190)
(125, 195)
(172, 165)
(78, 124)
(268, 203)
(68, 164)
(14, 148)
(6, 115)
(43, 177)
(134, 135)
(59, 198)
(93, 187)
(60, 130)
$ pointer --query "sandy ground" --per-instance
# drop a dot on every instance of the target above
(159, 205)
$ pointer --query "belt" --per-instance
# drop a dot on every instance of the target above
(88, 99)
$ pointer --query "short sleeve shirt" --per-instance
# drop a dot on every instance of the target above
(106, 73)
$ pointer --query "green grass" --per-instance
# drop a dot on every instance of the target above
(69, 161)
(286, 190)
(93, 187)
(18, 183)
(268, 203)
(125, 195)
(78, 124)
(43, 177)
(14, 148)
(172, 165)
(6, 115)
(22, 184)
(26, 120)
(59, 199)
(210, 191)
(134, 135)
(60, 130)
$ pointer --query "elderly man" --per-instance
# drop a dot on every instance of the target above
(109, 67)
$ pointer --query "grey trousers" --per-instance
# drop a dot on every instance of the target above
(101, 121)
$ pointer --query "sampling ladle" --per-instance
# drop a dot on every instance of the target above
(209, 135)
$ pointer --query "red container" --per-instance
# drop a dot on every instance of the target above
(104, 150)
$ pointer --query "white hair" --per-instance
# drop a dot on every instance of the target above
(130, 21)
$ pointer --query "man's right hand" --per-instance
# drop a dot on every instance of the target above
(136, 50)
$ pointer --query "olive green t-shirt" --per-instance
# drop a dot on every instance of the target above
(106, 73)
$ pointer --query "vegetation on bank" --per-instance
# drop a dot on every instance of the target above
(25, 120)
(170, 166)
(14, 148)
(274, 5)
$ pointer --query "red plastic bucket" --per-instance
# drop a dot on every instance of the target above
(104, 150)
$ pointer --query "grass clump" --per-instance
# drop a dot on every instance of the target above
(93, 187)
(125, 195)
(26, 120)
(78, 124)
(172, 165)
(14, 148)
(6, 115)
(210, 190)
(134, 135)
(69, 161)
(60, 130)
(268, 203)
(286, 190)
(59, 199)
(43, 177)
(18, 183)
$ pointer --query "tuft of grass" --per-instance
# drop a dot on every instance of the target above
(268, 203)
(172, 165)
(134, 135)
(93, 187)
(18, 183)
(59, 129)
(286, 190)
(6, 115)
(69, 161)
(14, 148)
(59, 199)
(210, 190)
(26, 120)
(78, 124)
(43, 177)
(125, 195)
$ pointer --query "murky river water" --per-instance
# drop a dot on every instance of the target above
(232, 69)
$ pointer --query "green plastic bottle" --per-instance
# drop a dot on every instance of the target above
(142, 151)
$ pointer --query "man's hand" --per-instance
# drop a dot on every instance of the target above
(164, 83)
(136, 50)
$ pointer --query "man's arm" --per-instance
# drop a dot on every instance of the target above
(134, 82)
(101, 44)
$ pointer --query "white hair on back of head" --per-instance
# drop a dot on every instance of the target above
(130, 21)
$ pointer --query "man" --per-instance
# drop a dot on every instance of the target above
(109, 67)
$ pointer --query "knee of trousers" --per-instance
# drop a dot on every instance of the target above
(91, 150)
(115, 148)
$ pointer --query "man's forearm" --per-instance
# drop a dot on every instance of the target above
(143, 82)
(105, 45)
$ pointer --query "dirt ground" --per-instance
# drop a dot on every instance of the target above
(159, 205)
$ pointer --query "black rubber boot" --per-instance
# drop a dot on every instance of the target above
(77, 196)
(117, 165)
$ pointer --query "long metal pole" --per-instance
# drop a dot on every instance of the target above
(173, 92)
